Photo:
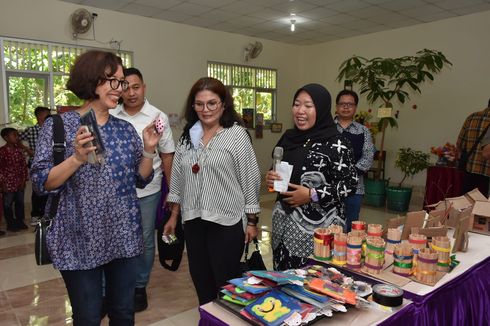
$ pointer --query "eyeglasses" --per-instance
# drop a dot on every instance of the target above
(211, 105)
(346, 105)
(115, 83)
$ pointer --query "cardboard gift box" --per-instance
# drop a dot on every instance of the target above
(481, 217)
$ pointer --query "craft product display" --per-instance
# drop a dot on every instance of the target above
(426, 268)
(393, 238)
(403, 259)
(362, 235)
(442, 246)
(359, 225)
(418, 241)
(374, 230)
(375, 254)
(322, 243)
(354, 251)
(387, 295)
(336, 228)
(299, 296)
(340, 249)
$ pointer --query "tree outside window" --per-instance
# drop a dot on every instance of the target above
(252, 88)
(36, 74)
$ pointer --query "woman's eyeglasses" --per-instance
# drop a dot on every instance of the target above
(211, 105)
(115, 83)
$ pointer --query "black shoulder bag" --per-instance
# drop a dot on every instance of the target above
(43, 225)
(463, 158)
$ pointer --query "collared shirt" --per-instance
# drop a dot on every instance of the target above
(364, 149)
(140, 120)
(30, 136)
(472, 128)
(13, 168)
(226, 187)
(98, 217)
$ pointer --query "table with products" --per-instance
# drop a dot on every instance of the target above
(461, 297)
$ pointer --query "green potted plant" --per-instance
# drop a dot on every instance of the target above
(410, 162)
(387, 79)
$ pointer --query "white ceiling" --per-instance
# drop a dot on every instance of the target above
(317, 21)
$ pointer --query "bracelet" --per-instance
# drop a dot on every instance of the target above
(253, 221)
(149, 155)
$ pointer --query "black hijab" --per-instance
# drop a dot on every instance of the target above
(296, 142)
(324, 127)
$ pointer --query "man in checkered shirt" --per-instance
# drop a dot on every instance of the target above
(30, 136)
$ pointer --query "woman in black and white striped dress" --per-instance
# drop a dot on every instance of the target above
(215, 185)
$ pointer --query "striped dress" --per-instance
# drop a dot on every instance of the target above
(226, 187)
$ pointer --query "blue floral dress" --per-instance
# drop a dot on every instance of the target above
(98, 217)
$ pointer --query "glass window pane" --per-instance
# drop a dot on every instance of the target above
(25, 93)
(62, 96)
(243, 98)
(25, 56)
(263, 104)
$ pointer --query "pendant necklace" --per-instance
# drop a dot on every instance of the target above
(195, 167)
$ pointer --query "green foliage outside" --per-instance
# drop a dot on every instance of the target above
(250, 87)
(28, 72)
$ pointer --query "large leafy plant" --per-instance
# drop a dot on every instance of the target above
(411, 162)
(385, 79)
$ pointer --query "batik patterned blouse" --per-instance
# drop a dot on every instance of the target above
(98, 217)
(329, 169)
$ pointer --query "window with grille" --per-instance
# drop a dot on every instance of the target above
(35, 73)
(253, 90)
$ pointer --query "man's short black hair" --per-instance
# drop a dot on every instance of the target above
(38, 110)
(347, 92)
(132, 71)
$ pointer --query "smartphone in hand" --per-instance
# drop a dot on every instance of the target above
(89, 123)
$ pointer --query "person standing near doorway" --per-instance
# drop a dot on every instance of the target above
(30, 135)
(362, 143)
(139, 112)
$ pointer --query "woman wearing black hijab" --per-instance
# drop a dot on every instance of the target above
(323, 175)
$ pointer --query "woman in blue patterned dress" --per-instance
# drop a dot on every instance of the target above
(323, 175)
(97, 228)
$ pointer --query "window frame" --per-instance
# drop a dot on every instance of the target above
(52, 47)
(256, 89)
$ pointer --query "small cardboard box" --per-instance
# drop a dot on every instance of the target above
(481, 217)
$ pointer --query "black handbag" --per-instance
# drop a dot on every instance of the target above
(170, 255)
(255, 261)
(43, 225)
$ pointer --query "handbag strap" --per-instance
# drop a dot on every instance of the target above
(256, 242)
(478, 140)
(58, 155)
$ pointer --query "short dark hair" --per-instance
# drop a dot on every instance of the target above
(229, 117)
(347, 92)
(90, 70)
(132, 71)
(488, 103)
(40, 109)
(6, 131)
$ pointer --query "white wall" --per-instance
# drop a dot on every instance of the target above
(444, 103)
(172, 56)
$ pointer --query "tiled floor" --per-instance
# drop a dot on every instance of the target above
(36, 296)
